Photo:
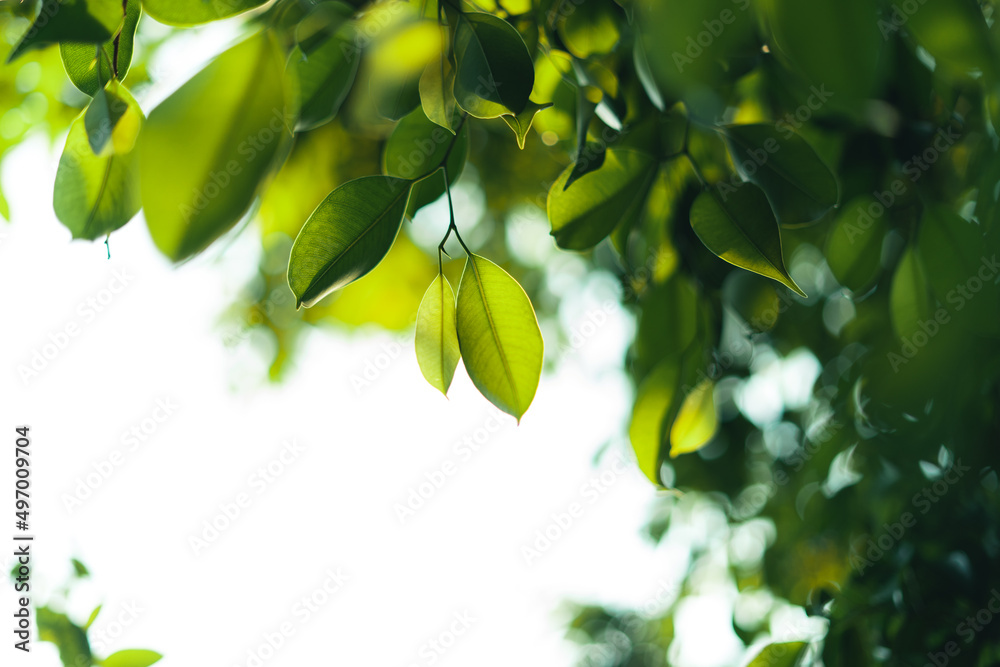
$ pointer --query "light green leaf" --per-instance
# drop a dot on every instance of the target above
(498, 336)
(86, 70)
(854, 247)
(135, 657)
(840, 59)
(739, 226)
(437, 335)
(591, 28)
(325, 67)
(101, 119)
(437, 93)
(797, 183)
(97, 194)
(655, 400)
(92, 617)
(346, 236)
(415, 150)
(785, 654)
(910, 299)
(206, 150)
(582, 215)
(696, 421)
(193, 12)
(87, 21)
(521, 123)
(494, 73)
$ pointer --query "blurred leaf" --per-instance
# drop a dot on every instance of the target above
(655, 401)
(584, 214)
(645, 76)
(97, 194)
(437, 335)
(494, 73)
(910, 299)
(953, 31)
(521, 123)
(71, 640)
(797, 183)
(132, 658)
(590, 28)
(87, 21)
(785, 654)
(397, 59)
(739, 227)
(92, 617)
(499, 337)
(415, 150)
(696, 422)
(206, 149)
(854, 247)
(193, 12)
(841, 59)
(109, 106)
(325, 75)
(79, 569)
(86, 70)
(346, 236)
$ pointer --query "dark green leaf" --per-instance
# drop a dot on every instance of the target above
(206, 150)
(737, 224)
(325, 74)
(854, 248)
(346, 236)
(910, 298)
(70, 639)
(498, 336)
(437, 93)
(494, 70)
(797, 183)
(86, 21)
(416, 149)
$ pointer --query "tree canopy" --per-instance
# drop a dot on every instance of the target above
(798, 201)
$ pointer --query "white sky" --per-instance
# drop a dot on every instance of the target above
(330, 509)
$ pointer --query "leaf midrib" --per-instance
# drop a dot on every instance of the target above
(493, 330)
(744, 234)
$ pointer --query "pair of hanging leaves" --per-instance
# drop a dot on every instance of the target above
(492, 326)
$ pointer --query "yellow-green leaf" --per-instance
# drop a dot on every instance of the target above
(785, 654)
(437, 335)
(654, 401)
(207, 149)
(696, 422)
(521, 123)
(135, 657)
(498, 336)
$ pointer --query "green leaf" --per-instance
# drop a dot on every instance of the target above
(785, 654)
(910, 299)
(696, 421)
(841, 59)
(645, 75)
(591, 28)
(92, 617)
(954, 251)
(521, 123)
(96, 194)
(193, 12)
(668, 322)
(394, 99)
(102, 115)
(414, 151)
(87, 70)
(797, 183)
(325, 74)
(135, 657)
(589, 158)
(70, 639)
(346, 236)
(79, 569)
(854, 247)
(739, 226)
(581, 216)
(494, 73)
(954, 32)
(498, 336)
(437, 335)
(88, 21)
(206, 150)
(437, 93)
(655, 400)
